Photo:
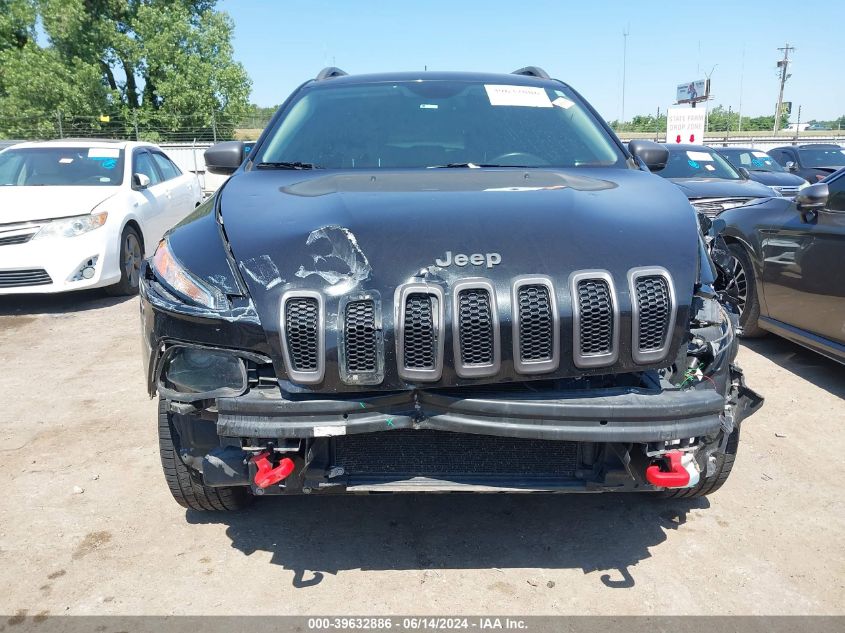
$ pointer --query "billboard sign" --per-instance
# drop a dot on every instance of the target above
(685, 125)
(692, 91)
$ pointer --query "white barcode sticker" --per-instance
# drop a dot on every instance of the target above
(526, 96)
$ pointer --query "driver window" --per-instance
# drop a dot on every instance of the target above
(144, 165)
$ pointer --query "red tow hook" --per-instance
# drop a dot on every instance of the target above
(267, 475)
(676, 477)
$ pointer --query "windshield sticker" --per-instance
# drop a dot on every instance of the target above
(65, 161)
(527, 96)
(428, 106)
(692, 163)
(563, 102)
(758, 163)
(705, 156)
(103, 152)
(760, 154)
(107, 163)
(709, 168)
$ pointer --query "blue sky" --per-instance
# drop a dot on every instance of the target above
(282, 44)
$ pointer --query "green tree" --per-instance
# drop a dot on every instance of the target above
(158, 66)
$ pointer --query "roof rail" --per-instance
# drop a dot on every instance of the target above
(532, 71)
(329, 72)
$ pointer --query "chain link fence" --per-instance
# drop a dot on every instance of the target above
(141, 127)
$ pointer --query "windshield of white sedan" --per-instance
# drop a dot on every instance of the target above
(437, 124)
(61, 167)
(696, 163)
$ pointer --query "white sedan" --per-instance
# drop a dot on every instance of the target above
(84, 214)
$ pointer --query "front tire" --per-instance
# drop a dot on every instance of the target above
(130, 254)
(743, 288)
(187, 487)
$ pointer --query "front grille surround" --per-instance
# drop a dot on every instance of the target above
(460, 333)
(535, 366)
(311, 375)
(438, 331)
(361, 339)
(641, 352)
(584, 359)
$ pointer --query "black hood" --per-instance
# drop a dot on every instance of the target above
(777, 178)
(721, 188)
(340, 233)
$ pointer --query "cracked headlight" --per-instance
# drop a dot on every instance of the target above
(71, 227)
(170, 270)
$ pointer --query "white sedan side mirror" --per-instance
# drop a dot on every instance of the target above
(140, 181)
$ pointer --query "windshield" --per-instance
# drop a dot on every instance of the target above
(61, 166)
(697, 163)
(822, 157)
(438, 123)
(752, 160)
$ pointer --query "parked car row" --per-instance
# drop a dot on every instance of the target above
(84, 213)
(785, 238)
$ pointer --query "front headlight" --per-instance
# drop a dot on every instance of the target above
(174, 274)
(71, 227)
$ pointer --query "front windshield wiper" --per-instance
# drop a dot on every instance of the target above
(286, 165)
(472, 166)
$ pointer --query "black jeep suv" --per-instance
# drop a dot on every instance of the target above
(439, 282)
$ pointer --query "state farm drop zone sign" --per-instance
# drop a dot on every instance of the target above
(685, 125)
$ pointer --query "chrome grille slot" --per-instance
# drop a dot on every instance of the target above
(475, 328)
(595, 319)
(359, 331)
(596, 308)
(419, 336)
(653, 302)
(653, 313)
(535, 327)
(20, 278)
(302, 335)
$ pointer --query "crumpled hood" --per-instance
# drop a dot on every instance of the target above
(342, 232)
(720, 188)
(25, 204)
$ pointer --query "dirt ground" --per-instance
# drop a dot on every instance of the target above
(87, 525)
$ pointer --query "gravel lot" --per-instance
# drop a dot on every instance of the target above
(87, 525)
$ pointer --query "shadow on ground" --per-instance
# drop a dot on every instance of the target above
(62, 303)
(318, 535)
(805, 364)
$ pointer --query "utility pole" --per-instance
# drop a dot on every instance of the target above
(741, 78)
(59, 119)
(783, 66)
(625, 34)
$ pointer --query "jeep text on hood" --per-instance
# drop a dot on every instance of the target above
(440, 282)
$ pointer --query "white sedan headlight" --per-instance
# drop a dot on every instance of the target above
(71, 227)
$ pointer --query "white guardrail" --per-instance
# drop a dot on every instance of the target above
(190, 156)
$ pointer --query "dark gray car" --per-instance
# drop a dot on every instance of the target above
(439, 282)
(787, 266)
(762, 168)
(709, 181)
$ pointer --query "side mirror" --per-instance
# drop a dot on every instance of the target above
(790, 165)
(743, 171)
(224, 158)
(812, 198)
(654, 155)
(140, 181)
